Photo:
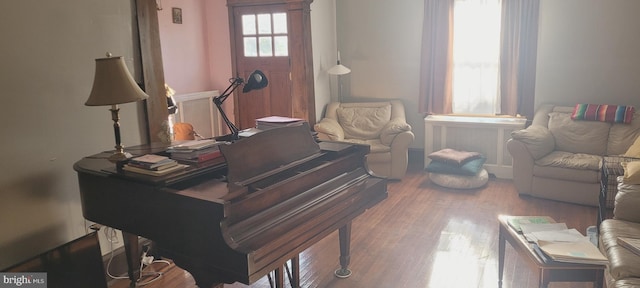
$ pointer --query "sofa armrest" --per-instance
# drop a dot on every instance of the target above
(538, 140)
(522, 166)
(329, 129)
(392, 129)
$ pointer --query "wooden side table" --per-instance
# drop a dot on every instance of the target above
(551, 271)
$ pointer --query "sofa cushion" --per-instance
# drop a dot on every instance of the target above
(604, 113)
(627, 201)
(454, 157)
(587, 137)
(538, 139)
(569, 160)
(363, 122)
(622, 262)
(634, 149)
(567, 174)
(627, 283)
(568, 166)
(631, 172)
(621, 136)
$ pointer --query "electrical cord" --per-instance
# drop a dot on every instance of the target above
(146, 261)
(111, 236)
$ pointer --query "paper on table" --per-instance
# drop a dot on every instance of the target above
(528, 228)
(567, 235)
(574, 252)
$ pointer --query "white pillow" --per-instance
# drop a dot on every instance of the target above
(460, 181)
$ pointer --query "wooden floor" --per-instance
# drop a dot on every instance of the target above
(423, 236)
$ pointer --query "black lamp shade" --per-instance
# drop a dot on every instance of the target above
(257, 80)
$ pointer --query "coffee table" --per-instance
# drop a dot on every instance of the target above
(550, 271)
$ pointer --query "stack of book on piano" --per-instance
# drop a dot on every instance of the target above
(271, 122)
(154, 165)
(555, 242)
(197, 151)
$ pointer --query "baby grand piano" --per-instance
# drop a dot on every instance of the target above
(278, 193)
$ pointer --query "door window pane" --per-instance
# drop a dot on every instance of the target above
(279, 23)
(266, 49)
(249, 24)
(264, 24)
(281, 45)
(250, 47)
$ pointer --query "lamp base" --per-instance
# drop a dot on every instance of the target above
(119, 156)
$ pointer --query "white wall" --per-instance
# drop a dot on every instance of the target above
(47, 70)
(380, 41)
(589, 52)
(324, 48)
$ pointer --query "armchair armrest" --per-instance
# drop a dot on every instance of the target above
(329, 129)
(392, 129)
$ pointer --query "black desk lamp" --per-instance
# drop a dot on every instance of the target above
(257, 80)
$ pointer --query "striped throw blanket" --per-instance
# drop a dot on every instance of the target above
(604, 113)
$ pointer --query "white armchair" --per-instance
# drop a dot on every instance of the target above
(381, 125)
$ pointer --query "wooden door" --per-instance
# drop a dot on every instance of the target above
(270, 36)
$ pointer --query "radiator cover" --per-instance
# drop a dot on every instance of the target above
(487, 135)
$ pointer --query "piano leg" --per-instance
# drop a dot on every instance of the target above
(345, 251)
(295, 272)
(132, 252)
(279, 278)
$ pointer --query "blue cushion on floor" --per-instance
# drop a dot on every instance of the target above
(470, 168)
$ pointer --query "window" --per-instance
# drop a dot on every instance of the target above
(265, 35)
(476, 57)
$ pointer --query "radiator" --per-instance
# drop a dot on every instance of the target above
(487, 135)
(198, 110)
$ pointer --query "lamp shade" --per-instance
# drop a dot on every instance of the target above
(112, 84)
(339, 69)
(257, 80)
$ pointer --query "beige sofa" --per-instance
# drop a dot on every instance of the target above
(382, 125)
(624, 266)
(559, 158)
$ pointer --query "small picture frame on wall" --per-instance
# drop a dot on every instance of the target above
(177, 15)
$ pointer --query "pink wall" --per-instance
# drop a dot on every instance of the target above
(219, 43)
(196, 54)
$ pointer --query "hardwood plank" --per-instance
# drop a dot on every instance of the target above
(424, 236)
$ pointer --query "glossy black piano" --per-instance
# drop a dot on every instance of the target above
(278, 193)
